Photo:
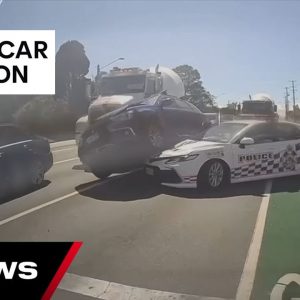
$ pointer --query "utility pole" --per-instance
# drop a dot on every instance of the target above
(294, 100)
(287, 106)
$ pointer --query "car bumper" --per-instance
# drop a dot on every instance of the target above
(122, 151)
(170, 177)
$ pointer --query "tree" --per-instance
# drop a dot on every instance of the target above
(71, 64)
(194, 90)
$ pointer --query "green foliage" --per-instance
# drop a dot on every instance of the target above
(9, 104)
(71, 63)
(45, 114)
(195, 92)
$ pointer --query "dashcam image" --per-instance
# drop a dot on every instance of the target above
(149, 150)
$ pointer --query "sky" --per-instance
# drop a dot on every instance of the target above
(239, 47)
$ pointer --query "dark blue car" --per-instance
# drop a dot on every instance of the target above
(124, 138)
(24, 159)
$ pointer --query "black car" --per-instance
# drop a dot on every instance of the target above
(124, 138)
(24, 159)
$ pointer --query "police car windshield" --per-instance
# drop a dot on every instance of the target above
(223, 133)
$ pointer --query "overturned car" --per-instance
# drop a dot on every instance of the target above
(125, 138)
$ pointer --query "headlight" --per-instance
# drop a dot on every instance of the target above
(181, 158)
(124, 116)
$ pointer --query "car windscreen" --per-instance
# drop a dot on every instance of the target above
(122, 85)
(257, 107)
(223, 133)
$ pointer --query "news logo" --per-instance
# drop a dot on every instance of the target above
(26, 270)
(34, 270)
(27, 62)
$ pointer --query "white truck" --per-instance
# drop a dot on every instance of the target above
(260, 106)
(123, 85)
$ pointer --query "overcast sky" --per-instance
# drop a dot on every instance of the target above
(239, 47)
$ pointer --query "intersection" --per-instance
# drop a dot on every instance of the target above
(154, 241)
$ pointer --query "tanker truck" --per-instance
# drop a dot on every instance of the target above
(120, 86)
(260, 106)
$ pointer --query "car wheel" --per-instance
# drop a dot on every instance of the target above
(155, 136)
(213, 175)
(37, 173)
(100, 173)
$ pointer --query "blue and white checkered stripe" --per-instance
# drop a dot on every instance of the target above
(264, 167)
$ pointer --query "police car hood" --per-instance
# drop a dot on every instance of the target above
(190, 146)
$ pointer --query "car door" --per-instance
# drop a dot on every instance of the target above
(172, 117)
(288, 134)
(15, 145)
(180, 119)
(197, 121)
(263, 159)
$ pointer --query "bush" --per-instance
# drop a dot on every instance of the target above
(45, 114)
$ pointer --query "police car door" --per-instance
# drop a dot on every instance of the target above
(261, 159)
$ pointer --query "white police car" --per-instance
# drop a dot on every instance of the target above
(232, 152)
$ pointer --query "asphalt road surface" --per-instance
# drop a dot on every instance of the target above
(136, 233)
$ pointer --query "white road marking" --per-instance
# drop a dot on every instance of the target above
(62, 143)
(64, 149)
(247, 279)
(66, 160)
(106, 290)
(280, 286)
(31, 210)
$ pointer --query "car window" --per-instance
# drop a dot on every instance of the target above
(193, 107)
(223, 133)
(261, 133)
(176, 104)
(268, 133)
(11, 134)
(286, 132)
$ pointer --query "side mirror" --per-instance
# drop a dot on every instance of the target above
(246, 141)
(275, 108)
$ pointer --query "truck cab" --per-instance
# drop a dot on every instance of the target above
(258, 109)
(120, 86)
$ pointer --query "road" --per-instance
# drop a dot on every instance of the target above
(136, 233)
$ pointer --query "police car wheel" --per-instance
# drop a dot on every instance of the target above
(213, 175)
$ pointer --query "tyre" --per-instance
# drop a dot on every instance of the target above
(155, 136)
(101, 174)
(37, 173)
(213, 175)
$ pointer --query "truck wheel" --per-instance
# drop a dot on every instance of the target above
(213, 175)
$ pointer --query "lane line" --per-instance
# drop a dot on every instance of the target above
(31, 210)
(106, 290)
(62, 143)
(247, 279)
(65, 149)
(66, 160)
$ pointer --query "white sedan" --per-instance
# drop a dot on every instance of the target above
(232, 152)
